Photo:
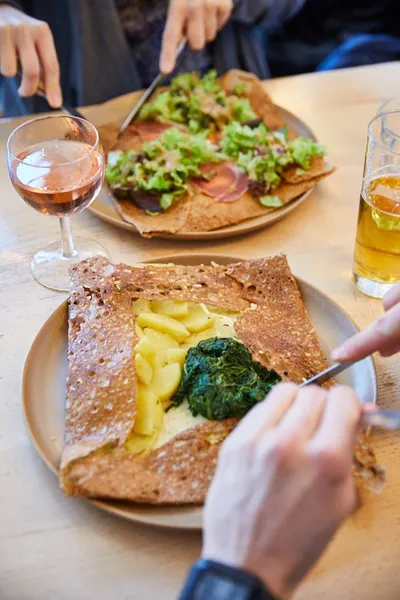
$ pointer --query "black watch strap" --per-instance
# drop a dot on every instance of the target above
(209, 580)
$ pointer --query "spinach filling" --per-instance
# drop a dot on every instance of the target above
(221, 380)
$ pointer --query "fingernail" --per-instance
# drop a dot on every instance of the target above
(166, 67)
(55, 99)
(339, 354)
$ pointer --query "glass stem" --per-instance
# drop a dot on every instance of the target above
(67, 242)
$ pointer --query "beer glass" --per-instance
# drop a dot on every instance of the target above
(377, 251)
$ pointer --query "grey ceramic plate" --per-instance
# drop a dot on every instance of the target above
(43, 388)
(103, 207)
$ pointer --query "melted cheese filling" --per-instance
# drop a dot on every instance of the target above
(166, 330)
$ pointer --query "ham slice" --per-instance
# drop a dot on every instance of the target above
(225, 182)
(150, 130)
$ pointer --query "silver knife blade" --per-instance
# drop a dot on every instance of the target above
(383, 418)
(147, 94)
(328, 373)
(136, 109)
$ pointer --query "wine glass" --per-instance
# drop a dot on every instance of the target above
(56, 164)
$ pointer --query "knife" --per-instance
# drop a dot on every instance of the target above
(329, 373)
(148, 93)
(384, 418)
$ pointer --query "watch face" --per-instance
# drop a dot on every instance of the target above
(215, 586)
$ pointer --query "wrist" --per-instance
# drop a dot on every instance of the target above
(214, 580)
(268, 571)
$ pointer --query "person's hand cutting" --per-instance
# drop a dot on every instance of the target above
(283, 484)
(198, 21)
(382, 336)
(29, 41)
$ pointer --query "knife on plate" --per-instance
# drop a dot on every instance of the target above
(148, 93)
(384, 418)
(329, 373)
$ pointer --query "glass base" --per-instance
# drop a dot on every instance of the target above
(51, 269)
(372, 288)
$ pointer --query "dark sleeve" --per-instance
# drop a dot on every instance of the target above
(24, 5)
(269, 13)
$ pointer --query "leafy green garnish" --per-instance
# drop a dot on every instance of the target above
(198, 103)
(264, 154)
(221, 380)
(271, 201)
(238, 139)
(240, 88)
(242, 110)
(166, 201)
(303, 149)
(163, 167)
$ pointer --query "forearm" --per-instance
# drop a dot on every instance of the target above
(269, 13)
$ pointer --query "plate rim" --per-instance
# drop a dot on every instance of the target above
(235, 230)
(108, 505)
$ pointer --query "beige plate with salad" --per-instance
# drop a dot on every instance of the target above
(44, 377)
(104, 206)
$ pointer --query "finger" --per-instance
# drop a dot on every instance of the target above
(211, 22)
(382, 336)
(267, 414)
(50, 67)
(392, 297)
(8, 54)
(340, 422)
(29, 62)
(173, 33)
(224, 12)
(304, 416)
(196, 25)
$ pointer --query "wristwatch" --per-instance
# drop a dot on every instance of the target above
(209, 580)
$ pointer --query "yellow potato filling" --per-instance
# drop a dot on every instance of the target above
(166, 329)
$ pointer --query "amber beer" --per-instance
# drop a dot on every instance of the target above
(377, 249)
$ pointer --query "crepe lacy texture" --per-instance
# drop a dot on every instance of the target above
(279, 332)
(178, 472)
(100, 396)
(101, 388)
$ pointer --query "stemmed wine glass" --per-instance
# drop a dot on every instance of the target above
(56, 164)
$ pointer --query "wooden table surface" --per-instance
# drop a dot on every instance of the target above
(52, 546)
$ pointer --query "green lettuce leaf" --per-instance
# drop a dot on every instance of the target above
(302, 150)
(197, 103)
(242, 110)
(164, 166)
(271, 201)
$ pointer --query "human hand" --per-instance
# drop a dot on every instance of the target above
(283, 484)
(382, 336)
(31, 41)
(197, 20)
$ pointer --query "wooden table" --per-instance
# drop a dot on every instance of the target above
(52, 546)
